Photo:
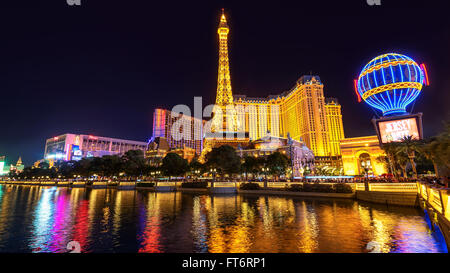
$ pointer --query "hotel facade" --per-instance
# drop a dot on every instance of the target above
(303, 113)
(179, 130)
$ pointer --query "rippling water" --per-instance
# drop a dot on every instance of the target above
(45, 219)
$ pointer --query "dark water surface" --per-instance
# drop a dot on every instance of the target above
(46, 219)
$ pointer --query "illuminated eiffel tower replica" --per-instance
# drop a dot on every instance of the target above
(225, 126)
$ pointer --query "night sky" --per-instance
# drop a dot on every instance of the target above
(101, 68)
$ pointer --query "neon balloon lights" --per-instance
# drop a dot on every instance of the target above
(390, 82)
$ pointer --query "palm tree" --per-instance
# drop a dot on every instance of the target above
(391, 149)
(385, 161)
(402, 160)
(410, 146)
(430, 149)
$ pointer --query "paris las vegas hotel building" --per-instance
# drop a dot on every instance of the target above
(303, 113)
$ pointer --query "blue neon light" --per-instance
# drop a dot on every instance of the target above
(387, 69)
(327, 177)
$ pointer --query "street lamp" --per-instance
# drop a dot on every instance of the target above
(214, 173)
(265, 170)
(197, 172)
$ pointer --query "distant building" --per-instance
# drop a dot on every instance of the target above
(259, 115)
(328, 161)
(3, 170)
(74, 147)
(158, 148)
(335, 126)
(179, 130)
(18, 168)
(359, 154)
(6, 169)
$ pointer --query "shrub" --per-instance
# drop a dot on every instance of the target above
(145, 184)
(295, 187)
(308, 187)
(249, 186)
(323, 188)
(316, 187)
(343, 188)
(196, 185)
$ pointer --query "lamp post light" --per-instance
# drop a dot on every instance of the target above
(197, 173)
(214, 173)
(156, 174)
(265, 170)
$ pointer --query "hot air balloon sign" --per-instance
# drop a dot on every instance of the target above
(389, 83)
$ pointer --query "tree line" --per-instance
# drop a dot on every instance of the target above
(220, 162)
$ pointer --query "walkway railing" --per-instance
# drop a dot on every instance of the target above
(391, 187)
(437, 198)
(387, 187)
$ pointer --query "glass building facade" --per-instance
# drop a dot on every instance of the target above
(74, 146)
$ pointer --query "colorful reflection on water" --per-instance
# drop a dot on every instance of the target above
(46, 219)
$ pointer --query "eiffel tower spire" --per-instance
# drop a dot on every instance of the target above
(227, 121)
(224, 93)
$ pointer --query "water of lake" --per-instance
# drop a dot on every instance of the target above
(46, 219)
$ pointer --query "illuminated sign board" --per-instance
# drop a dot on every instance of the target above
(76, 152)
(394, 129)
(57, 156)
